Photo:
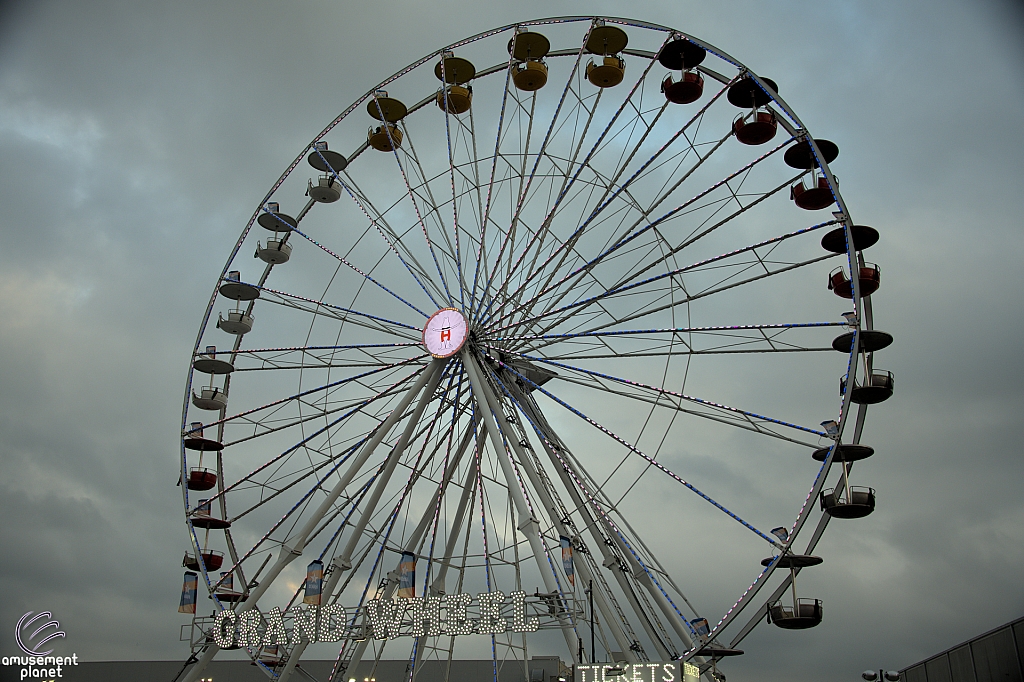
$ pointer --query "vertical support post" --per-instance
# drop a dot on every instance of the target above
(593, 647)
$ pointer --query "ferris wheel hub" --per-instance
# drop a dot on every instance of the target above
(445, 333)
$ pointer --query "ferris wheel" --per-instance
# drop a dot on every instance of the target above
(535, 347)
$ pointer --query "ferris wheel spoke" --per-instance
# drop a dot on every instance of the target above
(610, 536)
(695, 235)
(340, 313)
(567, 245)
(390, 391)
(561, 174)
(367, 277)
(352, 503)
(654, 307)
(654, 462)
(381, 536)
(326, 387)
(481, 257)
(451, 174)
(633, 233)
(674, 330)
(364, 205)
(695, 267)
(607, 200)
(412, 198)
(754, 419)
(700, 231)
(537, 241)
(425, 193)
(526, 187)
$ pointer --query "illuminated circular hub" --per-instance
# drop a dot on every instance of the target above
(445, 332)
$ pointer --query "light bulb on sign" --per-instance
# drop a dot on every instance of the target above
(445, 333)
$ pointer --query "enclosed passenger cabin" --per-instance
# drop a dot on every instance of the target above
(759, 125)
(863, 238)
(878, 388)
(608, 42)
(528, 49)
(212, 559)
(855, 502)
(454, 73)
(389, 111)
(841, 284)
(325, 160)
(276, 252)
(684, 56)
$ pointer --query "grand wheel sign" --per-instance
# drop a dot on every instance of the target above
(489, 613)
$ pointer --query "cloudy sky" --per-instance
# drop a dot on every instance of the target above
(136, 139)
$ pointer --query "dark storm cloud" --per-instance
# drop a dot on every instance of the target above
(136, 139)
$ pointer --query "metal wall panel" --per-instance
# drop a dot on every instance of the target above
(915, 674)
(961, 665)
(995, 657)
(938, 669)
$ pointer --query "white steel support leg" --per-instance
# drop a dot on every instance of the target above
(292, 549)
(343, 563)
(609, 559)
(679, 626)
(414, 539)
(527, 523)
(526, 463)
(437, 586)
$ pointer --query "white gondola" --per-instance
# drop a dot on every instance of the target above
(276, 252)
(327, 189)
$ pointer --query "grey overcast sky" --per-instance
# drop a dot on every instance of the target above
(137, 138)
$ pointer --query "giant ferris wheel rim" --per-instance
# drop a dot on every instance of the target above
(863, 322)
